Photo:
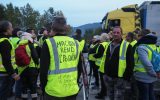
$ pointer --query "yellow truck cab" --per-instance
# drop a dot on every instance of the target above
(134, 17)
(127, 17)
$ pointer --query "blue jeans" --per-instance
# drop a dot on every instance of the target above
(5, 87)
(146, 91)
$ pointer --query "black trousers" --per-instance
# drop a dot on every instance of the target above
(29, 80)
(103, 91)
(48, 97)
(94, 67)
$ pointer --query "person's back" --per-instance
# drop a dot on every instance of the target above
(14, 39)
(28, 72)
(7, 60)
(144, 72)
(58, 64)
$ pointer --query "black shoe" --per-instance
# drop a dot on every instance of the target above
(99, 96)
(89, 74)
(95, 87)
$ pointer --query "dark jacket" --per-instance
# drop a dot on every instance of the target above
(77, 37)
(112, 62)
(34, 53)
(94, 49)
(5, 51)
(148, 39)
(100, 51)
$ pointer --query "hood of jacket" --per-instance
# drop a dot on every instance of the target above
(148, 39)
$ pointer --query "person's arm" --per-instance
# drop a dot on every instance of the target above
(34, 54)
(94, 49)
(44, 65)
(129, 63)
(100, 51)
(38, 49)
(5, 51)
(143, 57)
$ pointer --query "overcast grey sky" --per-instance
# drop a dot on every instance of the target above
(77, 12)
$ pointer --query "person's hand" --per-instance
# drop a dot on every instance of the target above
(158, 74)
(15, 76)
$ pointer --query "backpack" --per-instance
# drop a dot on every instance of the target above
(155, 59)
(21, 56)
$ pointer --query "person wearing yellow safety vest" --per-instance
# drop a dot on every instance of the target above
(28, 73)
(93, 67)
(131, 38)
(7, 60)
(118, 65)
(44, 35)
(104, 38)
(143, 70)
(58, 64)
(14, 39)
(78, 37)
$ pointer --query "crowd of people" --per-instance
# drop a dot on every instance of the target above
(56, 58)
(124, 61)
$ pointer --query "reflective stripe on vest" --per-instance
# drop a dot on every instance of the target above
(62, 74)
(101, 69)
(122, 58)
(133, 43)
(56, 58)
(122, 55)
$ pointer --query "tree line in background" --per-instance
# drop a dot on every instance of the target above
(26, 17)
(89, 33)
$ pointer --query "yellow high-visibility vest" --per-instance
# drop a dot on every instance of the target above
(122, 59)
(102, 64)
(31, 64)
(98, 60)
(91, 56)
(62, 74)
(133, 43)
(138, 65)
(2, 69)
(14, 41)
(82, 43)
